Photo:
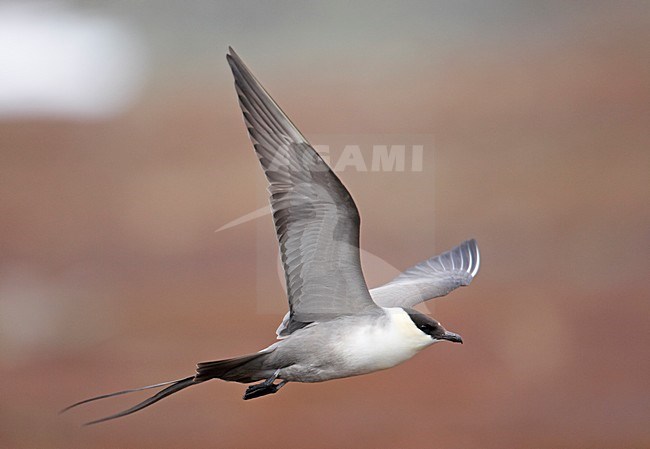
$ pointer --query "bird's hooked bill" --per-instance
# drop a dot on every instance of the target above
(453, 337)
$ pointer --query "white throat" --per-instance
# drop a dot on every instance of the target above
(381, 346)
(405, 329)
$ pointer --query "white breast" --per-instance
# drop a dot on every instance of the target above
(370, 348)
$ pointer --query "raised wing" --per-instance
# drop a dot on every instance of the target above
(316, 220)
(434, 277)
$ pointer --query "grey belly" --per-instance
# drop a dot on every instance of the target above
(315, 373)
(316, 365)
(311, 354)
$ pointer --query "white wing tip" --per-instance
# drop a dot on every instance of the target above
(476, 257)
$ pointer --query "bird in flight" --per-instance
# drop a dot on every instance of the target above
(335, 326)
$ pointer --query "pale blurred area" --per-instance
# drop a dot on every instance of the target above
(122, 150)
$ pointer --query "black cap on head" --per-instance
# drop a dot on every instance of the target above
(431, 327)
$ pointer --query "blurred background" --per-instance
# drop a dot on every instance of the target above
(122, 150)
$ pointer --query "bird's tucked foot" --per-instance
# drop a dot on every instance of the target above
(259, 390)
(264, 388)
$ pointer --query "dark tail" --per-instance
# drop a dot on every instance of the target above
(245, 369)
(174, 386)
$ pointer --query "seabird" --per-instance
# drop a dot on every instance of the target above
(335, 326)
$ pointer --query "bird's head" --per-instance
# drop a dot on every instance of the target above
(432, 328)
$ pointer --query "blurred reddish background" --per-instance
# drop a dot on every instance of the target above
(111, 274)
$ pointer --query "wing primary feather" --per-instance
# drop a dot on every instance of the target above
(478, 257)
(316, 220)
(431, 278)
